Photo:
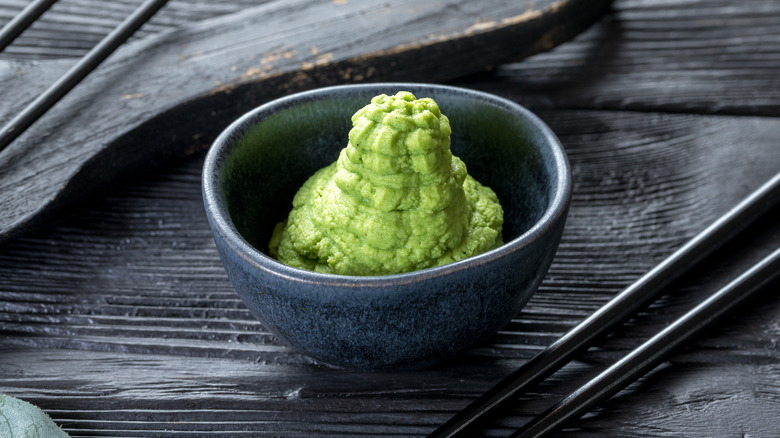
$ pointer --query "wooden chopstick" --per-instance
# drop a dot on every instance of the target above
(650, 354)
(619, 308)
(92, 59)
(23, 20)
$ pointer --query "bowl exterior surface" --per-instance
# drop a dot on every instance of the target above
(404, 325)
(402, 321)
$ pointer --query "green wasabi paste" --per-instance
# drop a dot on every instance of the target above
(396, 200)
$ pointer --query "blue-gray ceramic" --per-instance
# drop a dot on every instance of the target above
(402, 321)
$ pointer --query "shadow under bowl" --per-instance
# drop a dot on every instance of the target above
(402, 321)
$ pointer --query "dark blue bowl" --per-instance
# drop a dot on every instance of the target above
(402, 321)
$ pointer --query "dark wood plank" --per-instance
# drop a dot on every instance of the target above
(169, 95)
(713, 57)
(72, 27)
(241, 399)
(120, 321)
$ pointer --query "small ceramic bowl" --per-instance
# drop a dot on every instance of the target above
(402, 321)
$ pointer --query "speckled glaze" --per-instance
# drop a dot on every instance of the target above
(402, 321)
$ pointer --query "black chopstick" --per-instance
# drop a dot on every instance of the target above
(619, 308)
(23, 20)
(92, 59)
(648, 355)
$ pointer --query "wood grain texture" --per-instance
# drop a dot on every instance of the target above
(169, 95)
(120, 322)
(72, 27)
(709, 57)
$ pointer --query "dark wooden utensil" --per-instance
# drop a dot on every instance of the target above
(619, 308)
(167, 96)
(78, 72)
(18, 24)
(650, 354)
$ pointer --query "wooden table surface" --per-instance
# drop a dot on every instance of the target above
(119, 320)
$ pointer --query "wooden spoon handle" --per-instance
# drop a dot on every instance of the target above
(168, 95)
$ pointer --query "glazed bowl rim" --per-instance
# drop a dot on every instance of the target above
(218, 216)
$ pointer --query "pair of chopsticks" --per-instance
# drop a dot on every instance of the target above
(623, 372)
(648, 355)
(78, 72)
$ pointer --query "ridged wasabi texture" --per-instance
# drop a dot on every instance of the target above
(396, 200)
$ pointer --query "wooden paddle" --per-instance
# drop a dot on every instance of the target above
(168, 95)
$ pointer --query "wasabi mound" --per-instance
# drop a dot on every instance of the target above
(395, 201)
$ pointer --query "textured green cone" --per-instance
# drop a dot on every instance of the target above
(396, 200)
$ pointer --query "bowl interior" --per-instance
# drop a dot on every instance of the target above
(277, 147)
